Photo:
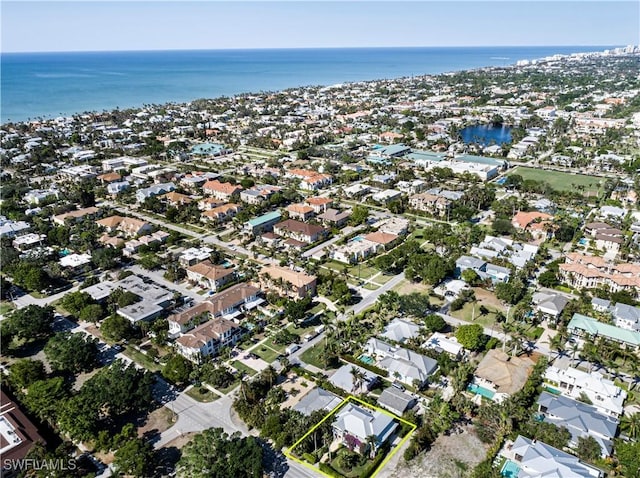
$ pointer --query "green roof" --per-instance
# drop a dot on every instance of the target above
(419, 155)
(270, 216)
(594, 327)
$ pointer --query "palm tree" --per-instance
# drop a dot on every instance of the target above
(631, 425)
(357, 378)
(371, 443)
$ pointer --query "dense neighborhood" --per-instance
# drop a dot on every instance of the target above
(341, 281)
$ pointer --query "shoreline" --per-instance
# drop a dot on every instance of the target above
(513, 63)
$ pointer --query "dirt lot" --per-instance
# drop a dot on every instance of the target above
(407, 287)
(158, 421)
(293, 381)
(452, 456)
(488, 298)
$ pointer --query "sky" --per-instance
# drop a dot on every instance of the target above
(29, 26)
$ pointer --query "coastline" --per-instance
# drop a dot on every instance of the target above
(66, 84)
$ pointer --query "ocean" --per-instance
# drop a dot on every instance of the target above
(52, 84)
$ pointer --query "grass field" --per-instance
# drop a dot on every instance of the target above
(240, 367)
(562, 181)
(314, 356)
(202, 394)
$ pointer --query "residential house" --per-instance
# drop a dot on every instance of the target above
(221, 191)
(300, 231)
(319, 204)
(76, 216)
(355, 424)
(193, 255)
(262, 223)
(386, 196)
(335, 218)
(155, 190)
(210, 276)
(208, 203)
(354, 379)
(222, 213)
(442, 343)
(154, 299)
(117, 187)
(228, 304)
(583, 326)
(129, 226)
(603, 394)
(402, 364)
(396, 401)
(501, 374)
(28, 241)
(626, 316)
(582, 271)
(549, 303)
(317, 399)
(291, 283)
(383, 239)
(535, 459)
(582, 420)
(258, 194)
(310, 180)
(399, 330)
(300, 211)
(207, 339)
(18, 436)
(176, 199)
(539, 224)
(431, 203)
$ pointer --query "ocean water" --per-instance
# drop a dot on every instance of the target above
(52, 84)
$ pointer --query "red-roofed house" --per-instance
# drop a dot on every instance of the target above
(222, 191)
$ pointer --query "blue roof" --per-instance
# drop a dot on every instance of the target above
(270, 216)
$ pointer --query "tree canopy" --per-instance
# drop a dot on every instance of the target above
(71, 352)
(470, 336)
(215, 454)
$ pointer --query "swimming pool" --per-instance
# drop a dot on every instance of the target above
(357, 239)
(477, 389)
(366, 359)
(510, 469)
(501, 181)
(65, 252)
(583, 242)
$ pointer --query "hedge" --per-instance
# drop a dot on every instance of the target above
(371, 368)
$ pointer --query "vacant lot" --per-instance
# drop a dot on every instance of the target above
(563, 181)
(452, 456)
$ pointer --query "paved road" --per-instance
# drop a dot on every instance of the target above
(26, 299)
(368, 300)
(207, 239)
(194, 416)
(345, 232)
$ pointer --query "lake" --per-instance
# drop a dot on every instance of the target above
(486, 134)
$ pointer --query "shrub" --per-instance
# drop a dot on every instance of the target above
(310, 458)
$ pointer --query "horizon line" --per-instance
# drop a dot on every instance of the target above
(306, 48)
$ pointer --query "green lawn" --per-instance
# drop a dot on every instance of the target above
(6, 307)
(369, 286)
(233, 385)
(141, 359)
(562, 181)
(354, 472)
(466, 313)
(240, 367)
(314, 356)
(382, 279)
(265, 353)
(202, 394)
